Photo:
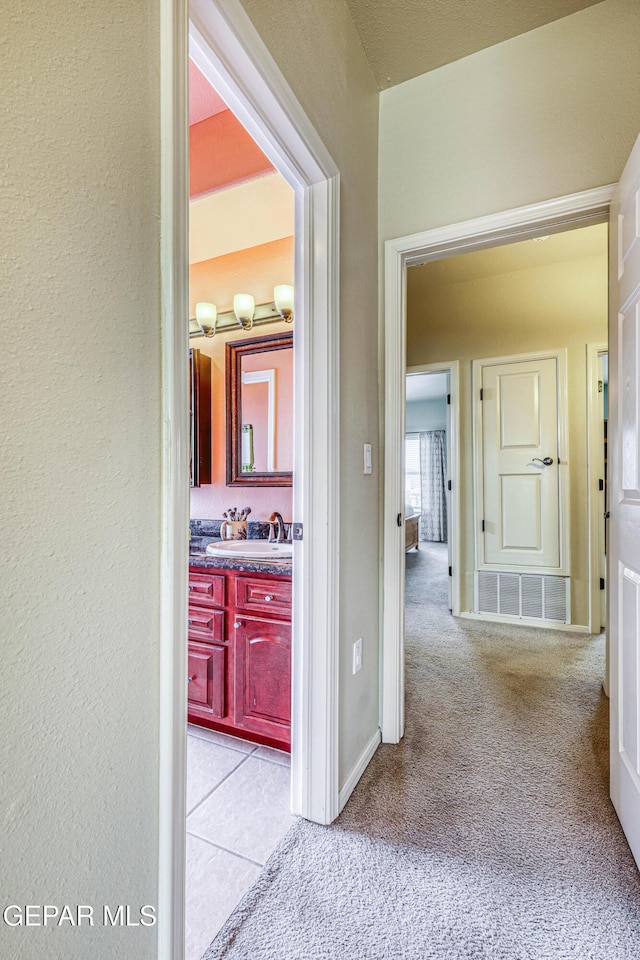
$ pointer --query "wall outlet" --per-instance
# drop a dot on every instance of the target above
(357, 655)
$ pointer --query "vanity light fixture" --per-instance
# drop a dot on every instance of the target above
(244, 307)
(206, 320)
(283, 299)
(245, 312)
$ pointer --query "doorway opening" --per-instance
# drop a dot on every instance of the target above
(241, 568)
(431, 509)
(227, 50)
(451, 333)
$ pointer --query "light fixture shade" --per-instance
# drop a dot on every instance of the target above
(207, 317)
(244, 306)
(206, 313)
(283, 299)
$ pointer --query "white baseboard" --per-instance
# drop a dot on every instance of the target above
(526, 622)
(360, 766)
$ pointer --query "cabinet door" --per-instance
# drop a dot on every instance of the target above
(263, 675)
(206, 679)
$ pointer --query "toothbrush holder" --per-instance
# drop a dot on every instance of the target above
(233, 530)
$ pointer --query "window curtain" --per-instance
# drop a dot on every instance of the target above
(433, 477)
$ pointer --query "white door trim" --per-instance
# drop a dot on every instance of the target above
(580, 209)
(560, 356)
(229, 51)
(594, 474)
(452, 367)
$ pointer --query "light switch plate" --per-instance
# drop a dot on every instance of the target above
(367, 458)
(357, 655)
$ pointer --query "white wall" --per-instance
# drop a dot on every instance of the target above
(549, 113)
(426, 415)
(319, 52)
(80, 395)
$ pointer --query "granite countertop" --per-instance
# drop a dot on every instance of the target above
(198, 557)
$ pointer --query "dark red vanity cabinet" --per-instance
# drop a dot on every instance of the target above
(263, 676)
(240, 654)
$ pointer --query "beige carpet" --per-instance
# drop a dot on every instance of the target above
(487, 834)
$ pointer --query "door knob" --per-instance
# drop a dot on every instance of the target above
(547, 462)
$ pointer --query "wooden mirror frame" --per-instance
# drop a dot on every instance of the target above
(235, 350)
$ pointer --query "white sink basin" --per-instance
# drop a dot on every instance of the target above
(251, 549)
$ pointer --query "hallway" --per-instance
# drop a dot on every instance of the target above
(487, 833)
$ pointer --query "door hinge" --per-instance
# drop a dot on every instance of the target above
(297, 530)
(483, 526)
(448, 484)
(448, 399)
(602, 583)
(600, 484)
(450, 571)
(481, 393)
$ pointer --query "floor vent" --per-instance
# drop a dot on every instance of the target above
(533, 596)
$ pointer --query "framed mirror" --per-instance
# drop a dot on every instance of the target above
(259, 387)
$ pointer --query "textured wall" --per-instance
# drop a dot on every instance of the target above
(328, 72)
(80, 395)
(549, 113)
(559, 305)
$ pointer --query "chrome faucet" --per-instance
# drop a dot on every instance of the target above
(278, 529)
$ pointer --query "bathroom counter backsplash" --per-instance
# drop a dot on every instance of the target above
(204, 532)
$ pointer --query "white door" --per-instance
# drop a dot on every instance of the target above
(448, 496)
(624, 501)
(520, 508)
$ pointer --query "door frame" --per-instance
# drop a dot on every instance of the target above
(594, 473)
(452, 367)
(227, 48)
(564, 507)
(521, 223)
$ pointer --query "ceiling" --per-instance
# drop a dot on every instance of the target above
(238, 200)
(426, 386)
(405, 38)
(511, 257)
(204, 101)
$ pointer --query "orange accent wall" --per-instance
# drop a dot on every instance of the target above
(256, 271)
(222, 152)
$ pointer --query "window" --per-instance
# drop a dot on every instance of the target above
(413, 496)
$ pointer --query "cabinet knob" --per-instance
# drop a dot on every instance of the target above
(189, 679)
(268, 597)
(238, 623)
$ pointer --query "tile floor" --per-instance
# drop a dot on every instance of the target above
(237, 811)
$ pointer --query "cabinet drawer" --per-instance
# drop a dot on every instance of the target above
(206, 591)
(206, 677)
(266, 596)
(206, 625)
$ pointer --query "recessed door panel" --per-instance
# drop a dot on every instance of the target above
(521, 497)
(629, 413)
(519, 400)
(521, 529)
(629, 710)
